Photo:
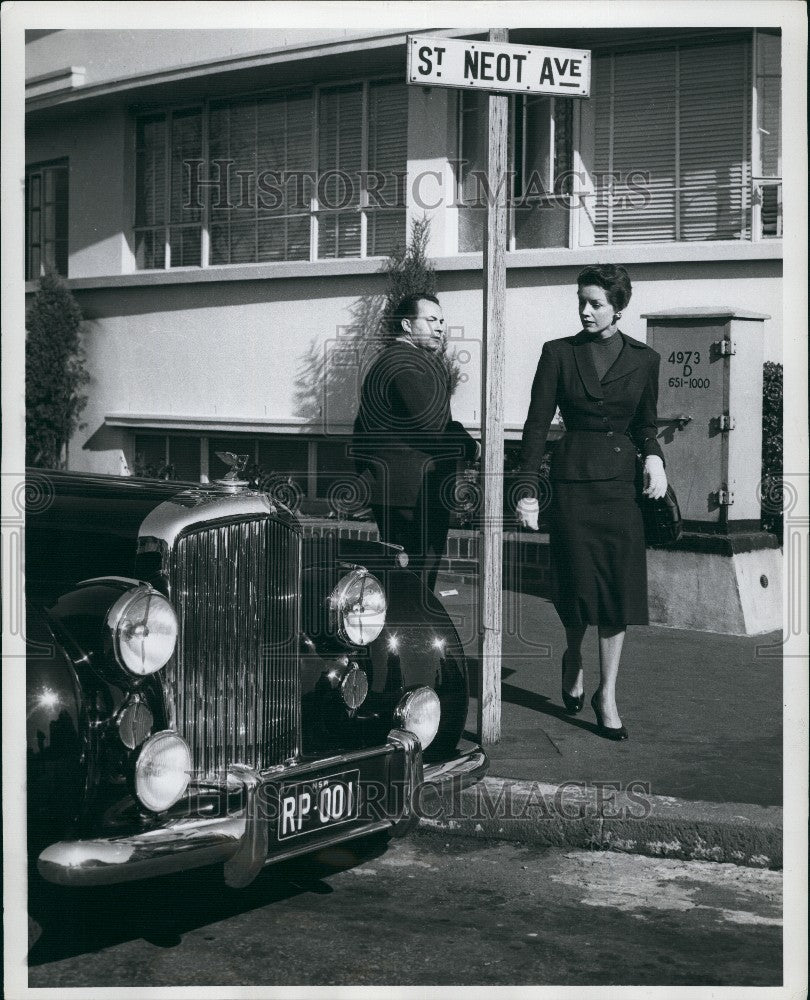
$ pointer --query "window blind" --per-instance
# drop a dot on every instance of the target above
(262, 212)
(150, 190)
(672, 144)
(267, 163)
(387, 159)
(184, 213)
(339, 163)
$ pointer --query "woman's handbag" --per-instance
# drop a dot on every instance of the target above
(662, 518)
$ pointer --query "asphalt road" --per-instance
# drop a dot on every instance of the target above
(426, 910)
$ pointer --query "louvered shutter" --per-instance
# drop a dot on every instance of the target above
(387, 157)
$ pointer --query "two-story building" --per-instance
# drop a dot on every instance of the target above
(223, 203)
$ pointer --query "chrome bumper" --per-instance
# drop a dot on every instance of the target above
(241, 840)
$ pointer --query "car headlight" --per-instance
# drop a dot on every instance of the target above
(419, 712)
(162, 771)
(143, 630)
(358, 607)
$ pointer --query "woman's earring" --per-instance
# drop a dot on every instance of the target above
(617, 316)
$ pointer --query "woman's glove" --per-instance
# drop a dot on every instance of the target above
(528, 511)
(655, 479)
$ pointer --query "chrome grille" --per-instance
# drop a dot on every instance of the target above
(235, 587)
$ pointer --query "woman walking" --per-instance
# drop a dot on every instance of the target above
(606, 386)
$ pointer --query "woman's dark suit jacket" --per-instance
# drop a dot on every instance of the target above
(606, 422)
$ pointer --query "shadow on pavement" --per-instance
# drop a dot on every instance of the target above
(161, 910)
(522, 698)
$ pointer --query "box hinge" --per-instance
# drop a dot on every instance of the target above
(725, 348)
(724, 422)
(723, 498)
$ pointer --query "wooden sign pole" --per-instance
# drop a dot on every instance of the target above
(519, 69)
(492, 369)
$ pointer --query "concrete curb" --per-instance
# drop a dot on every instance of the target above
(602, 816)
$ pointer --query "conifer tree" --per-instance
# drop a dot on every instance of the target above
(54, 373)
(409, 271)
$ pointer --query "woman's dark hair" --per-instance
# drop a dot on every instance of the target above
(613, 278)
(407, 307)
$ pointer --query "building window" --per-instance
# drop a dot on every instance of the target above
(46, 219)
(768, 136)
(314, 475)
(672, 144)
(151, 459)
(304, 175)
(540, 152)
(280, 465)
(167, 456)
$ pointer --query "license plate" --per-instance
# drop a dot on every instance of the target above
(308, 806)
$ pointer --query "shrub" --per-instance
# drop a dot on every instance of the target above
(152, 470)
(54, 373)
(772, 459)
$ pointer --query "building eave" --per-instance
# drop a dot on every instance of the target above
(138, 85)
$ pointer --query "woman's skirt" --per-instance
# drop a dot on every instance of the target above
(598, 553)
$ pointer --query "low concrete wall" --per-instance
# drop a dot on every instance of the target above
(717, 584)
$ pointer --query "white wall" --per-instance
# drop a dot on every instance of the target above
(257, 349)
(98, 205)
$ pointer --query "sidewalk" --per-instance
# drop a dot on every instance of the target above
(704, 713)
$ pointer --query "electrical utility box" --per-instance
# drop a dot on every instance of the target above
(710, 413)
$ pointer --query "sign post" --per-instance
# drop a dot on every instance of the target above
(499, 68)
(492, 364)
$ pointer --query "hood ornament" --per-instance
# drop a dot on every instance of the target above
(236, 463)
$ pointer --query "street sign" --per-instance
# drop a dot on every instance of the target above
(498, 66)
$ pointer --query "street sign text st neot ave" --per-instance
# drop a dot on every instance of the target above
(498, 66)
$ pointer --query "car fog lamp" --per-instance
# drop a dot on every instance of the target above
(359, 606)
(419, 712)
(354, 687)
(143, 626)
(163, 770)
(135, 724)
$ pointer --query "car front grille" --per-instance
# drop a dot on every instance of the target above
(234, 675)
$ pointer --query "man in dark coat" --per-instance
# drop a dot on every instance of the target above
(406, 443)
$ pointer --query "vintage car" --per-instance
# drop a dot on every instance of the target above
(207, 686)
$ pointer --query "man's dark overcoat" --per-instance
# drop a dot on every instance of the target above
(407, 448)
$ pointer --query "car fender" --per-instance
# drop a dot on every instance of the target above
(419, 646)
(58, 760)
(83, 675)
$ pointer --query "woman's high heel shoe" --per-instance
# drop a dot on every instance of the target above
(609, 732)
(573, 702)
